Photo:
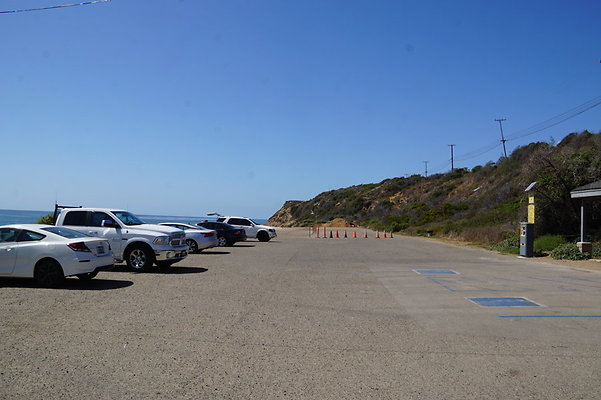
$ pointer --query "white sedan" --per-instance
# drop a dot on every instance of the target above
(197, 238)
(51, 253)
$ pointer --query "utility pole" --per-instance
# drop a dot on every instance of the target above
(452, 165)
(503, 140)
(426, 162)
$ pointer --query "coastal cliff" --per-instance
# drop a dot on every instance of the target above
(486, 202)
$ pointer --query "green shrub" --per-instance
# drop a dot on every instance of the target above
(418, 206)
(47, 219)
(569, 251)
(396, 223)
(449, 228)
(596, 251)
(509, 245)
(547, 242)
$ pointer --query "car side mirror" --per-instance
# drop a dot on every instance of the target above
(106, 223)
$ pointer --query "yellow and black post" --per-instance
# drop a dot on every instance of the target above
(527, 228)
(531, 209)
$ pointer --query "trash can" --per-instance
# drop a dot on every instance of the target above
(526, 239)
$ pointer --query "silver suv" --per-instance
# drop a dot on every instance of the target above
(253, 230)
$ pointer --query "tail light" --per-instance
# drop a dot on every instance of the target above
(78, 246)
(208, 234)
(237, 233)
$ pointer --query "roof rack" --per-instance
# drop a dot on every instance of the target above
(56, 208)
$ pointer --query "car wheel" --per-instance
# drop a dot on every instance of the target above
(48, 273)
(221, 241)
(138, 258)
(88, 276)
(263, 236)
(192, 245)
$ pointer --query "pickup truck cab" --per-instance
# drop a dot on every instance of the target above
(133, 241)
(253, 230)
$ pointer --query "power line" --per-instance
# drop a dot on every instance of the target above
(478, 152)
(535, 128)
(571, 113)
(556, 120)
(59, 6)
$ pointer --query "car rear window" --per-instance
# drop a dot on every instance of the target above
(29, 236)
(65, 232)
(239, 221)
(75, 218)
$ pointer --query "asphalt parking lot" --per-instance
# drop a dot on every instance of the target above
(308, 318)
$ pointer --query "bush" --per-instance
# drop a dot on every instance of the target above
(47, 219)
(510, 245)
(569, 251)
(547, 242)
(596, 251)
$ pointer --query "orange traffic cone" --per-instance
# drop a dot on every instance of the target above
(378, 235)
(385, 235)
(391, 235)
(355, 234)
(365, 235)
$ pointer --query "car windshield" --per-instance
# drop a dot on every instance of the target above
(128, 218)
(65, 232)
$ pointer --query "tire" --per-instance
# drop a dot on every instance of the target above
(221, 241)
(87, 277)
(48, 273)
(165, 264)
(263, 236)
(192, 245)
(138, 258)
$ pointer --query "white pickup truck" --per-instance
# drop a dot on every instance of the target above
(138, 244)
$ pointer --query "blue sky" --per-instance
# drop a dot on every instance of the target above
(181, 107)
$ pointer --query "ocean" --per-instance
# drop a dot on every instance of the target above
(30, 217)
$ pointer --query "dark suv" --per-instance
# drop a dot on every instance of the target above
(227, 234)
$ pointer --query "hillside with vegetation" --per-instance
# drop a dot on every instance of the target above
(483, 205)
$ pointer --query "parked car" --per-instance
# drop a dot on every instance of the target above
(133, 241)
(197, 238)
(50, 253)
(227, 235)
(253, 230)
